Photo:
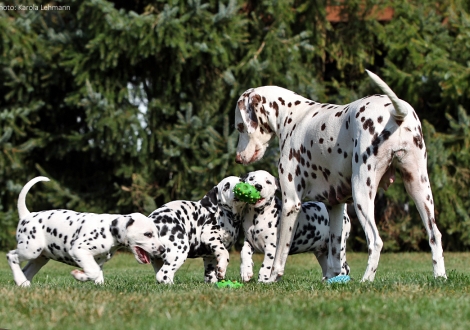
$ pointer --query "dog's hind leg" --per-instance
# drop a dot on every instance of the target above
(415, 178)
(322, 259)
(344, 237)
(213, 241)
(33, 267)
(336, 254)
(364, 204)
(91, 270)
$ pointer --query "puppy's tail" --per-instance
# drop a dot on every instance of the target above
(22, 209)
(401, 107)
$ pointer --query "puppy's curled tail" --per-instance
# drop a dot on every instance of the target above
(22, 209)
(401, 107)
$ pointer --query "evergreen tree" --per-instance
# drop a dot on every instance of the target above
(126, 105)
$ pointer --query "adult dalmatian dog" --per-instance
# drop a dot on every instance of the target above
(85, 240)
(260, 223)
(338, 154)
(194, 229)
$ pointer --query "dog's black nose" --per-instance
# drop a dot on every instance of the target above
(161, 249)
(258, 187)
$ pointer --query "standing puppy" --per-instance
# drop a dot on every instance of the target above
(338, 154)
(260, 223)
(206, 228)
(85, 240)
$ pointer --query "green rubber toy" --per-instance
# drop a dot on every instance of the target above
(245, 192)
(228, 284)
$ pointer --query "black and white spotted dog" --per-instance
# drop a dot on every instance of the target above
(260, 224)
(338, 154)
(206, 228)
(85, 240)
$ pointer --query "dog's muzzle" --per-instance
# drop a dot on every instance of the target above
(238, 159)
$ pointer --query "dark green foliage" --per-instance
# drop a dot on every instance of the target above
(73, 80)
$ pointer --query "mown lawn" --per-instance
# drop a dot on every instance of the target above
(403, 296)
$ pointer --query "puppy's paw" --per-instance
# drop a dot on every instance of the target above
(25, 284)
(221, 273)
(246, 275)
(164, 278)
(79, 275)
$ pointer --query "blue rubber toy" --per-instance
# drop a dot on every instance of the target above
(339, 279)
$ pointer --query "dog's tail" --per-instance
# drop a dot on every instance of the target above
(401, 107)
(22, 209)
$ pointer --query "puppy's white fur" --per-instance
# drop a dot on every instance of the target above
(86, 240)
(311, 234)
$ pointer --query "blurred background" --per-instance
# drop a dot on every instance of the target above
(126, 105)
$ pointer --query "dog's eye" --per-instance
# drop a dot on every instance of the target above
(149, 235)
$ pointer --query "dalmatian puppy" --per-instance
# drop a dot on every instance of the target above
(205, 228)
(85, 240)
(260, 223)
(338, 154)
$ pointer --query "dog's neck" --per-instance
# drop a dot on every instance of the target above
(282, 107)
(270, 202)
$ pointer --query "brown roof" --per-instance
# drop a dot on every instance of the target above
(333, 14)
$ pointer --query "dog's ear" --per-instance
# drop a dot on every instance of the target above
(118, 228)
(243, 177)
(278, 185)
(210, 201)
(247, 106)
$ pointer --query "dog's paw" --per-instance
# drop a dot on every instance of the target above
(164, 278)
(274, 277)
(221, 273)
(211, 279)
(79, 275)
(25, 284)
(246, 275)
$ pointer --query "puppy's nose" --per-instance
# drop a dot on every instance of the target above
(238, 159)
(161, 249)
(258, 187)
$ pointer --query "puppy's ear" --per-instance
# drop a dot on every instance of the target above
(210, 201)
(118, 228)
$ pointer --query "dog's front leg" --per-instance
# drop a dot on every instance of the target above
(266, 267)
(100, 279)
(18, 275)
(290, 212)
(246, 265)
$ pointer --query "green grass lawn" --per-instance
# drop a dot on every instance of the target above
(404, 296)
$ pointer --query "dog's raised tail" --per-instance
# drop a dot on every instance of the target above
(22, 209)
(401, 107)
